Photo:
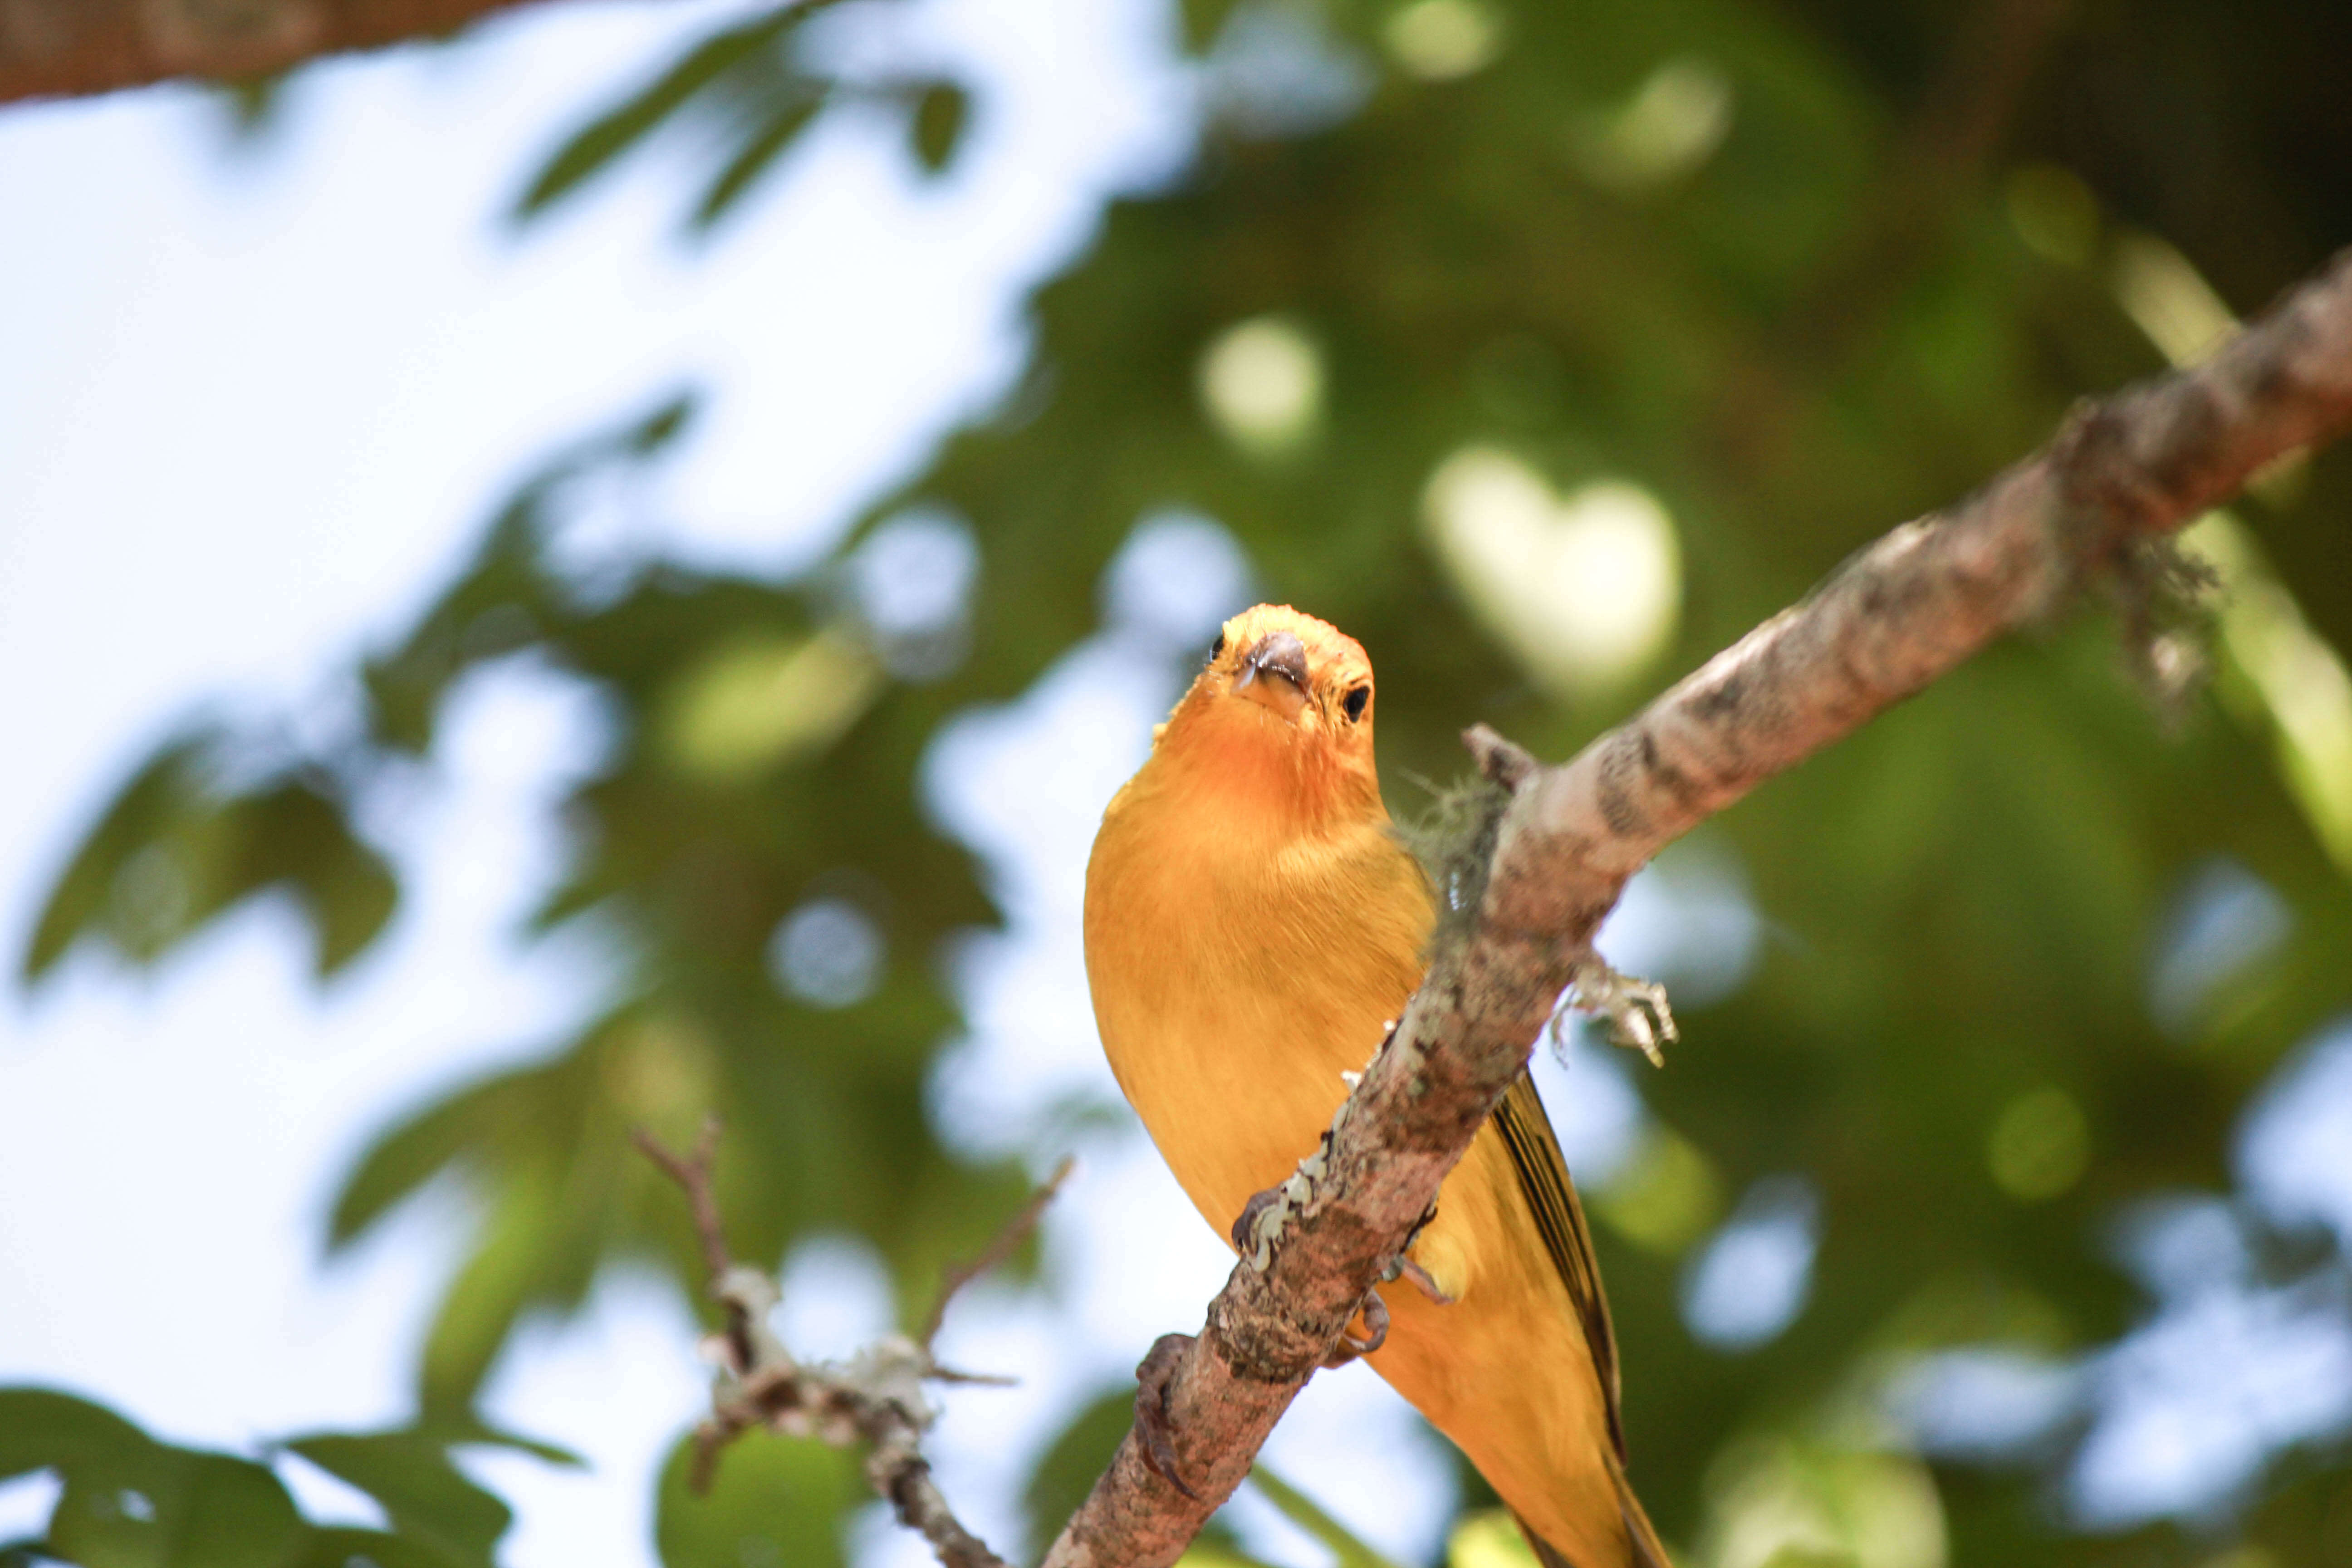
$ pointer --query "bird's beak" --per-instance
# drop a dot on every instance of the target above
(1274, 675)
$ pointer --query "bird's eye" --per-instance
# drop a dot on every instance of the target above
(1217, 647)
(1353, 703)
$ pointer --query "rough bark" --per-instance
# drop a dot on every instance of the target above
(51, 48)
(1903, 613)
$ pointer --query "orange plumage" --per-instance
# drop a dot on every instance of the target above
(1251, 925)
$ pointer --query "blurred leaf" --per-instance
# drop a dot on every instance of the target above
(344, 1546)
(1490, 1537)
(136, 818)
(200, 1511)
(596, 145)
(1204, 20)
(427, 1499)
(471, 1429)
(1072, 1463)
(775, 1502)
(507, 598)
(524, 1256)
(297, 835)
(40, 1427)
(173, 852)
(941, 113)
(129, 1501)
(256, 105)
(1214, 1548)
(757, 154)
(1304, 1513)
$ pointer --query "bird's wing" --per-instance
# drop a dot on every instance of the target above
(1551, 1197)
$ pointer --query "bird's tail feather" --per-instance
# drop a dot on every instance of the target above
(1648, 1552)
(1545, 1553)
(1644, 1549)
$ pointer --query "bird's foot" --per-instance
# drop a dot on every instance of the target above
(1402, 1267)
(1413, 1274)
(1247, 1221)
(1155, 1441)
(1635, 1010)
(1375, 1313)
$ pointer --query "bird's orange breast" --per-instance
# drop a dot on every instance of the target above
(1229, 991)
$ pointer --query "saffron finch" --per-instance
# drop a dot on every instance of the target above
(1253, 924)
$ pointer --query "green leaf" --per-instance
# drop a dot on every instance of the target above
(344, 1546)
(507, 598)
(87, 896)
(234, 1513)
(757, 154)
(178, 1510)
(518, 1250)
(941, 114)
(298, 837)
(466, 1428)
(596, 145)
(427, 1499)
(129, 1501)
(172, 852)
(41, 1428)
(775, 1502)
(412, 1152)
(1070, 1466)
(653, 431)
(256, 106)
(1204, 20)
(1304, 1513)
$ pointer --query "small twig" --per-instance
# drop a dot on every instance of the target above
(875, 1397)
(995, 1252)
(694, 1172)
(696, 1175)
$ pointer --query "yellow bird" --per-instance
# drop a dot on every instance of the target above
(1253, 924)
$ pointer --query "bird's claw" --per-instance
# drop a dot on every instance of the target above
(1243, 1241)
(1154, 1439)
(1376, 1333)
(1412, 1273)
(1635, 1010)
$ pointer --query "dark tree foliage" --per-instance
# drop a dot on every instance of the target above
(1797, 271)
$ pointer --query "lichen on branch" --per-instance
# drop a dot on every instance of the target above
(877, 1397)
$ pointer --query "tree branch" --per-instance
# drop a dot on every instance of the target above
(72, 48)
(875, 1397)
(995, 1252)
(2123, 471)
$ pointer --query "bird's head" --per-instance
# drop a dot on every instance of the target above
(1284, 701)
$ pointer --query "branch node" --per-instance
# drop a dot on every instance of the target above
(877, 1397)
(1503, 761)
